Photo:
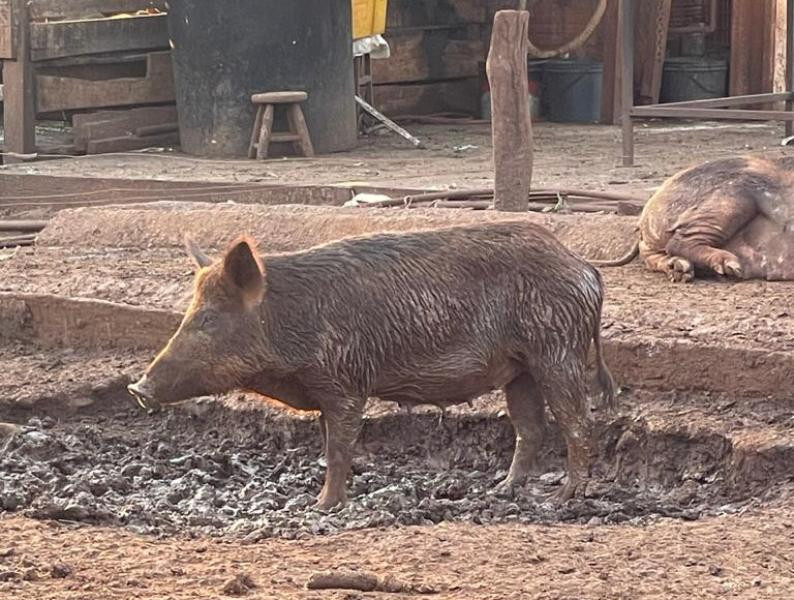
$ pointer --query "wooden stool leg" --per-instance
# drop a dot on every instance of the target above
(260, 112)
(297, 125)
(264, 134)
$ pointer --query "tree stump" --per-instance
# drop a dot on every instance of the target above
(510, 120)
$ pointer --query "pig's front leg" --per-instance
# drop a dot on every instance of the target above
(342, 424)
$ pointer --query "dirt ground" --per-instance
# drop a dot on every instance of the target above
(459, 156)
(104, 502)
(741, 556)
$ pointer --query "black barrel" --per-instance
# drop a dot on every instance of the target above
(225, 51)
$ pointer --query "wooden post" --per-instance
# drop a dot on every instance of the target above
(19, 111)
(627, 78)
(789, 61)
(510, 119)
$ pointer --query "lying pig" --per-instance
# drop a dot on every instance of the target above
(732, 216)
(435, 317)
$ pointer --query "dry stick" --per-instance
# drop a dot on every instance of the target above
(387, 121)
(511, 126)
(19, 240)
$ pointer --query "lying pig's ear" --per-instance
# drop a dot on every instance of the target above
(201, 259)
(244, 269)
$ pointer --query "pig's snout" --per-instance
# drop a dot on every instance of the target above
(141, 391)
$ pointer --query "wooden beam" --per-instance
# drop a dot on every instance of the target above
(749, 100)
(60, 39)
(75, 9)
(6, 30)
(510, 120)
(752, 46)
(610, 96)
(651, 24)
(68, 93)
(627, 78)
(19, 115)
(789, 61)
(715, 114)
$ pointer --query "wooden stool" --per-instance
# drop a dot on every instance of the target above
(263, 134)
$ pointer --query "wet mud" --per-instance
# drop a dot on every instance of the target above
(208, 468)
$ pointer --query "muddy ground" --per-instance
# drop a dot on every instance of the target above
(692, 499)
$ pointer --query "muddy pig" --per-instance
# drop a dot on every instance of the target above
(436, 317)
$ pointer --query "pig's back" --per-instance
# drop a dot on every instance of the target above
(376, 300)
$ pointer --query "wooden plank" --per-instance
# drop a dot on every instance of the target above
(19, 115)
(132, 142)
(68, 93)
(75, 9)
(714, 114)
(423, 13)
(651, 25)
(117, 123)
(422, 55)
(461, 95)
(6, 30)
(96, 36)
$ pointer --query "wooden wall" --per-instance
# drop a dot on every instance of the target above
(438, 47)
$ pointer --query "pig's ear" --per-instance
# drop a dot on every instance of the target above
(201, 259)
(242, 267)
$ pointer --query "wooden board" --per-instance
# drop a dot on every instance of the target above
(56, 94)
(127, 143)
(6, 30)
(432, 54)
(75, 9)
(95, 36)
(438, 13)
(460, 95)
(117, 123)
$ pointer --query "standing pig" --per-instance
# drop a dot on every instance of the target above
(437, 317)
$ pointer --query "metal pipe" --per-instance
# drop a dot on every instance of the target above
(31, 226)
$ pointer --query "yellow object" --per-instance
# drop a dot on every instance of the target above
(369, 17)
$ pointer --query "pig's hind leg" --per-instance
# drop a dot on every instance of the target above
(526, 408)
(677, 269)
(564, 387)
(700, 233)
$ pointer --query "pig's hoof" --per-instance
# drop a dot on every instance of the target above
(326, 503)
(505, 488)
(573, 488)
(680, 270)
(732, 268)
